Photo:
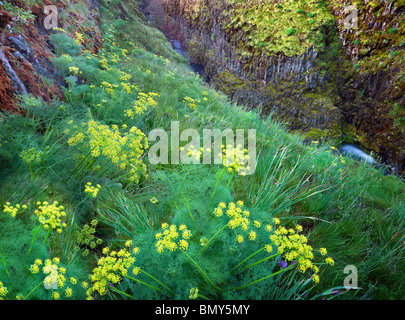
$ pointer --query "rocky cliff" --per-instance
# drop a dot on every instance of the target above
(301, 61)
(26, 50)
(371, 81)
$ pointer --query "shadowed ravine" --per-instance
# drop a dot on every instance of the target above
(156, 14)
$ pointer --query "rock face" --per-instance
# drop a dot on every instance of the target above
(293, 87)
(26, 50)
(373, 94)
(324, 91)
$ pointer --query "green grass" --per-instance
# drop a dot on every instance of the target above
(348, 207)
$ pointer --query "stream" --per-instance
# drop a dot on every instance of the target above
(355, 152)
(152, 14)
(196, 67)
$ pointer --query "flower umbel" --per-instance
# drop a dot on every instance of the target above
(171, 239)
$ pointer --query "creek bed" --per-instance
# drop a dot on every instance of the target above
(196, 67)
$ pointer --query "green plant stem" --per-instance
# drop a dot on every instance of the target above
(191, 215)
(252, 255)
(31, 171)
(203, 297)
(143, 283)
(46, 136)
(221, 177)
(201, 271)
(33, 290)
(260, 261)
(47, 235)
(212, 238)
(266, 277)
(121, 292)
(79, 164)
(5, 265)
(161, 283)
(35, 238)
(231, 178)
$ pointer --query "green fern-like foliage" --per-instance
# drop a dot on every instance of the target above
(19, 249)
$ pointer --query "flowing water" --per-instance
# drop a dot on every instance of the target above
(355, 152)
(196, 67)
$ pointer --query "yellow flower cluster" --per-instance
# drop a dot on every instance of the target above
(193, 293)
(90, 190)
(110, 56)
(126, 86)
(31, 155)
(109, 88)
(55, 276)
(104, 64)
(234, 159)
(203, 241)
(3, 290)
(67, 57)
(78, 38)
(194, 153)
(124, 150)
(124, 76)
(50, 215)
(170, 238)
(237, 218)
(74, 70)
(111, 269)
(34, 268)
(13, 210)
(192, 103)
(142, 104)
(294, 247)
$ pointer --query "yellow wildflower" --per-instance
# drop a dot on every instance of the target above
(239, 238)
(68, 292)
(92, 191)
(252, 235)
(330, 261)
(170, 238)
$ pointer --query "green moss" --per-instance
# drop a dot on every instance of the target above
(228, 83)
(265, 27)
(317, 134)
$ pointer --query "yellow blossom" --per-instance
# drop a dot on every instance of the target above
(239, 238)
(91, 190)
(330, 261)
(68, 292)
(252, 235)
(171, 240)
